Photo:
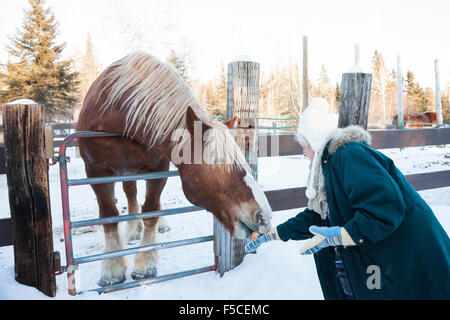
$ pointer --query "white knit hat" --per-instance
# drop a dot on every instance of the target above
(315, 124)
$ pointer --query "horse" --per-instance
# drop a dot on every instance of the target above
(428, 118)
(161, 121)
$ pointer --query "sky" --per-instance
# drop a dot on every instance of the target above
(267, 31)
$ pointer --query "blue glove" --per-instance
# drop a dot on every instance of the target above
(254, 244)
(323, 237)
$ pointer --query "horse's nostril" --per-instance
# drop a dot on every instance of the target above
(258, 217)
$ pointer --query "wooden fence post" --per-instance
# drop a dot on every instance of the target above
(354, 99)
(356, 54)
(29, 201)
(439, 119)
(400, 116)
(242, 101)
(305, 75)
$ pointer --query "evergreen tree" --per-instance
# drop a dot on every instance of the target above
(338, 96)
(430, 99)
(34, 69)
(222, 89)
(88, 68)
(325, 89)
(180, 64)
(416, 101)
(445, 103)
(383, 90)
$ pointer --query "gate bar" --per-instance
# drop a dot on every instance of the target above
(130, 177)
(143, 282)
(137, 216)
(153, 246)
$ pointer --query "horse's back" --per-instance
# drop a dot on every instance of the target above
(120, 155)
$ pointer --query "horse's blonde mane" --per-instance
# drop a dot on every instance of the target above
(157, 101)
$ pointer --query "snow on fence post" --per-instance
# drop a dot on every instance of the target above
(242, 101)
(28, 188)
(355, 98)
(439, 120)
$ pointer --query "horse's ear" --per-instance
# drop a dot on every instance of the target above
(230, 123)
(191, 118)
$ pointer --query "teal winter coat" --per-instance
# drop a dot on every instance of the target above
(392, 226)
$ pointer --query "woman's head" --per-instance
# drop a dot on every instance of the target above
(315, 125)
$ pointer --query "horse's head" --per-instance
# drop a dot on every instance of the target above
(215, 176)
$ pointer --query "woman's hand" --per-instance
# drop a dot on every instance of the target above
(254, 244)
(325, 237)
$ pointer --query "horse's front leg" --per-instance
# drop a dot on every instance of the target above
(134, 227)
(145, 264)
(113, 270)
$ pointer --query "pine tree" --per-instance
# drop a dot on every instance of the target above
(88, 68)
(338, 96)
(180, 64)
(415, 101)
(445, 103)
(222, 89)
(325, 89)
(34, 69)
(430, 99)
(382, 90)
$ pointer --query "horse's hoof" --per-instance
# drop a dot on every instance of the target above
(164, 229)
(134, 239)
(104, 282)
(150, 272)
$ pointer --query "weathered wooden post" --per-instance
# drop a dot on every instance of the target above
(27, 178)
(400, 116)
(305, 75)
(242, 101)
(354, 98)
(439, 120)
(356, 54)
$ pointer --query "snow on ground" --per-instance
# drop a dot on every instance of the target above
(277, 271)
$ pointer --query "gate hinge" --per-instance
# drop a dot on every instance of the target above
(63, 159)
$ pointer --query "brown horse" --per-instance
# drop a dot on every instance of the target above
(424, 117)
(161, 121)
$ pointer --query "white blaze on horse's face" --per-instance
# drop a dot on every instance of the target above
(259, 220)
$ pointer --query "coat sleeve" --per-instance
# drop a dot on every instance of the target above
(375, 197)
(297, 228)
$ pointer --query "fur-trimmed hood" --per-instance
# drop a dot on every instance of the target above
(340, 137)
(315, 191)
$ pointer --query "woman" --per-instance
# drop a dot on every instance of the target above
(372, 235)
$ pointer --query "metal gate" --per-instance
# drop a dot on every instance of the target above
(73, 263)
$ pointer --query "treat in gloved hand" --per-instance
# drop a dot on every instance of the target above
(255, 235)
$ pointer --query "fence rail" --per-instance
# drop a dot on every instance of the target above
(287, 146)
